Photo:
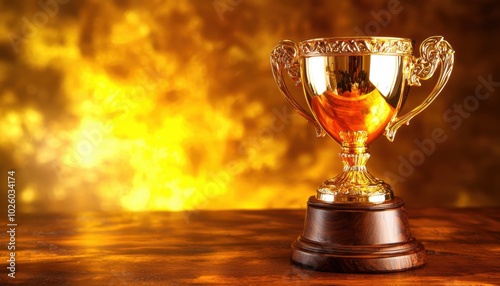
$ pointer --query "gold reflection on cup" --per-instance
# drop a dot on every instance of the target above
(355, 89)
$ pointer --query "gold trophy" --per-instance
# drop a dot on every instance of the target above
(355, 88)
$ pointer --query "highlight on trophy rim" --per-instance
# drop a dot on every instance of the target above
(355, 88)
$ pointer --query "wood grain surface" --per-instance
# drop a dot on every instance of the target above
(357, 238)
(232, 248)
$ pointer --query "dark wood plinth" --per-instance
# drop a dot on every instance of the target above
(357, 238)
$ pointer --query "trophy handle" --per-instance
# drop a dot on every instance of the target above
(285, 57)
(433, 51)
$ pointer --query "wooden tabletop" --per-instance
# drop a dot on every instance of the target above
(232, 248)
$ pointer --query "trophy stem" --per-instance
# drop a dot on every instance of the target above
(355, 183)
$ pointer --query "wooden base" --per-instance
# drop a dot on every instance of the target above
(357, 238)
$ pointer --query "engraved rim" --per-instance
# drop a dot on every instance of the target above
(356, 46)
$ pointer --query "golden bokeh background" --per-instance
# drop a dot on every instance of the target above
(171, 105)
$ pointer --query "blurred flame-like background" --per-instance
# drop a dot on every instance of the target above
(171, 105)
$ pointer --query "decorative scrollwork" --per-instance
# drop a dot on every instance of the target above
(432, 51)
(394, 46)
(284, 57)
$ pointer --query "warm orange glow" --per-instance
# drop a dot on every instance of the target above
(143, 132)
(111, 105)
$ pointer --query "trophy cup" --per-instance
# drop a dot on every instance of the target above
(355, 88)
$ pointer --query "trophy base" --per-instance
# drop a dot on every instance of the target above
(357, 238)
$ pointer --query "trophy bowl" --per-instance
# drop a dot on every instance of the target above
(355, 88)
